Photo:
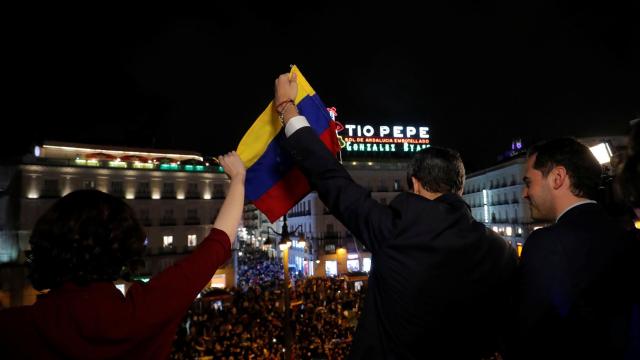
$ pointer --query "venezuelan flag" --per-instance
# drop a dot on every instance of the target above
(273, 183)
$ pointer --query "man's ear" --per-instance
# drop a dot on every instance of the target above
(416, 185)
(559, 177)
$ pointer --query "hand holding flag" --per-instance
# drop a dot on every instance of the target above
(274, 184)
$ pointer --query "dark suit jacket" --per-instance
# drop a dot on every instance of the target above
(439, 282)
(575, 290)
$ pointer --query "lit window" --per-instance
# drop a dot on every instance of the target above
(366, 264)
(331, 268)
(353, 265)
(192, 240)
(509, 231)
(167, 240)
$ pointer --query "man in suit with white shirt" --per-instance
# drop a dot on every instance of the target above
(574, 297)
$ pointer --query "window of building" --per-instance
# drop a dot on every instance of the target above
(331, 268)
(353, 265)
(51, 188)
(192, 213)
(366, 264)
(192, 191)
(144, 216)
(167, 240)
(143, 190)
(168, 218)
(192, 240)
(117, 188)
(88, 184)
(396, 185)
(509, 231)
(218, 191)
(168, 190)
(218, 281)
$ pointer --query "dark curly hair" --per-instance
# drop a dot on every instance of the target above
(438, 169)
(86, 236)
(582, 167)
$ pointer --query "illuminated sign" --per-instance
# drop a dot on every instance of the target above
(400, 132)
(380, 139)
(367, 138)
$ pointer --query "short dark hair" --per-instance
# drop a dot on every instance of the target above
(582, 167)
(628, 179)
(438, 169)
(86, 236)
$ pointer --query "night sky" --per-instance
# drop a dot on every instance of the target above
(477, 75)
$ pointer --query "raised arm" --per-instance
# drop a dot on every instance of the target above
(349, 202)
(229, 216)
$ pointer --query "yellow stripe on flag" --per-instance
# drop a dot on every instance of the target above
(267, 126)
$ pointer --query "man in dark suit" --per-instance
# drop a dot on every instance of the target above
(574, 295)
(440, 281)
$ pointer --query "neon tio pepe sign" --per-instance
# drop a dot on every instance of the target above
(367, 138)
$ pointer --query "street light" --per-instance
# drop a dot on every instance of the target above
(267, 246)
(285, 244)
(301, 241)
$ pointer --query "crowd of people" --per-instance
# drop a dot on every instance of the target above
(251, 324)
(257, 268)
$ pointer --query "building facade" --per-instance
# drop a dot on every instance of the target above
(175, 194)
(495, 197)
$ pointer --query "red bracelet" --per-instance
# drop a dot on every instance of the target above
(282, 103)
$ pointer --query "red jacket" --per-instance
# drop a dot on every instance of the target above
(97, 322)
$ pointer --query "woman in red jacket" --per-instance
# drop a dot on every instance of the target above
(84, 243)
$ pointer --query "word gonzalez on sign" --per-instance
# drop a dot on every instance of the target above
(384, 147)
(392, 131)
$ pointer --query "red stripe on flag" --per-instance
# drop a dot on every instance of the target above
(294, 186)
(283, 195)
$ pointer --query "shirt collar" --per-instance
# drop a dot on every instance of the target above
(574, 205)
